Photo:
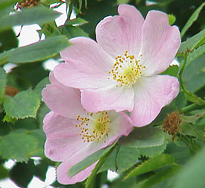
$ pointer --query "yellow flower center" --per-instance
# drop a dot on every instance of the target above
(94, 127)
(126, 70)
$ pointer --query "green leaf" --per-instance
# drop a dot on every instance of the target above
(192, 174)
(35, 15)
(8, 40)
(76, 21)
(153, 151)
(151, 164)
(2, 82)
(35, 52)
(41, 137)
(122, 1)
(89, 160)
(90, 179)
(24, 104)
(41, 169)
(193, 118)
(3, 172)
(191, 43)
(121, 159)
(148, 140)
(43, 110)
(72, 31)
(179, 150)
(172, 70)
(195, 54)
(144, 137)
(17, 146)
(22, 173)
(192, 19)
(158, 177)
(6, 3)
(193, 73)
(172, 19)
(38, 89)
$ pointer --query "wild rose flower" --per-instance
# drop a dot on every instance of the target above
(120, 71)
(73, 133)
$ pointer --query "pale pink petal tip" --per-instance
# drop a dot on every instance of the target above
(63, 177)
(151, 96)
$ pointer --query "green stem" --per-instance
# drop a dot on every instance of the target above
(191, 97)
(190, 108)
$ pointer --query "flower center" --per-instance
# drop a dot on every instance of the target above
(126, 70)
(94, 127)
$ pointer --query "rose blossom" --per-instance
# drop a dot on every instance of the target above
(120, 71)
(73, 133)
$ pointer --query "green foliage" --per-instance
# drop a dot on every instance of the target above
(27, 103)
(148, 157)
(90, 160)
(172, 70)
(158, 177)
(121, 159)
(6, 3)
(144, 137)
(36, 15)
(22, 173)
(8, 40)
(192, 19)
(72, 31)
(2, 82)
(151, 164)
(39, 87)
(196, 53)
(172, 19)
(36, 52)
(3, 172)
(18, 146)
(193, 73)
(192, 43)
(192, 174)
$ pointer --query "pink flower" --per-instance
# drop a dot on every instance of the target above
(119, 71)
(73, 133)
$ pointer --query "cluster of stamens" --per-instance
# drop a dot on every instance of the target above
(94, 127)
(126, 70)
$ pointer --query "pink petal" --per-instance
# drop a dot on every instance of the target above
(151, 95)
(63, 100)
(109, 98)
(87, 64)
(56, 125)
(120, 126)
(120, 33)
(160, 42)
(63, 168)
(63, 140)
(73, 76)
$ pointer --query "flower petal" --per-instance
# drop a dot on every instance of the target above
(63, 100)
(151, 95)
(63, 140)
(120, 126)
(120, 33)
(160, 42)
(63, 168)
(87, 64)
(56, 125)
(109, 98)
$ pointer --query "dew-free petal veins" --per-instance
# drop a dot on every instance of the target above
(131, 49)
(101, 79)
(72, 133)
